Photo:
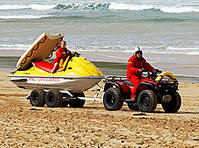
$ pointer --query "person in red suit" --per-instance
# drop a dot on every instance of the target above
(61, 53)
(135, 67)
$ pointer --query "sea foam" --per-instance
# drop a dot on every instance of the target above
(122, 6)
(23, 16)
(33, 6)
(14, 46)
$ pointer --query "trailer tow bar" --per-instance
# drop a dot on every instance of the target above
(95, 98)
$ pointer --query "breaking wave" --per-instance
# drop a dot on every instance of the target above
(118, 48)
(131, 7)
(105, 6)
(84, 6)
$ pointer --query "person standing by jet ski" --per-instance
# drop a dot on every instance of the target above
(135, 67)
(61, 53)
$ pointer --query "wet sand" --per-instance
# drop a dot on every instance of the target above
(92, 126)
(178, 64)
(186, 72)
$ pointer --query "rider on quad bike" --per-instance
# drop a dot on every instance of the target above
(135, 67)
(147, 88)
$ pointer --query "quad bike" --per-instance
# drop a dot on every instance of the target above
(153, 89)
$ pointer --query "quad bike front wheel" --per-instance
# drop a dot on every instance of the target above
(147, 101)
(174, 105)
(37, 97)
(53, 98)
(112, 99)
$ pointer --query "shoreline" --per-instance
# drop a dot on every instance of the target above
(119, 69)
(115, 63)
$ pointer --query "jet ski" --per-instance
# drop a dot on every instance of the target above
(74, 76)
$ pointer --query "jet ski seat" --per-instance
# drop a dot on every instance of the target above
(46, 66)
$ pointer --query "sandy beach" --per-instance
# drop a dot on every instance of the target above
(92, 126)
(105, 33)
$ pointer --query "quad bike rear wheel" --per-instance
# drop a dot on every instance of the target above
(112, 99)
(147, 101)
(174, 105)
(77, 102)
(53, 98)
(37, 97)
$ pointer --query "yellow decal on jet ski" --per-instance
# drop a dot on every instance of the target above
(64, 64)
(163, 74)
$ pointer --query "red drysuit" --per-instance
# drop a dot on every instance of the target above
(60, 54)
(132, 71)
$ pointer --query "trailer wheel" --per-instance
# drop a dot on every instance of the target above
(37, 97)
(65, 103)
(53, 98)
(147, 101)
(77, 102)
(174, 105)
(112, 99)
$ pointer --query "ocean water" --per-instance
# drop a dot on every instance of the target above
(169, 26)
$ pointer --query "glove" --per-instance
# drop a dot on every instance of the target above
(140, 70)
(144, 70)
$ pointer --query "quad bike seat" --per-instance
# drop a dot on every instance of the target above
(128, 83)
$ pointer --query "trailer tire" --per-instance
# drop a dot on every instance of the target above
(112, 99)
(174, 105)
(65, 103)
(37, 97)
(77, 103)
(53, 98)
(147, 101)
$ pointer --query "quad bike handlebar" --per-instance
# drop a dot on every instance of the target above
(158, 75)
(151, 75)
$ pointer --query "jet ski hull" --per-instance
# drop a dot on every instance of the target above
(71, 84)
